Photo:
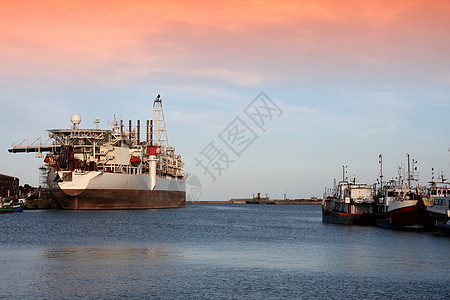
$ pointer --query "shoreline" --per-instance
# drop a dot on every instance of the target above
(255, 201)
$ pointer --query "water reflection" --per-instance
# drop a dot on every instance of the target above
(214, 252)
(105, 271)
(114, 254)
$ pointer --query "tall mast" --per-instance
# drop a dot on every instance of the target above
(409, 173)
(381, 171)
(159, 124)
(344, 173)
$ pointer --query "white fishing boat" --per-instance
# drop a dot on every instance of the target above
(438, 205)
(348, 203)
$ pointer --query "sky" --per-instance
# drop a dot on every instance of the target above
(305, 86)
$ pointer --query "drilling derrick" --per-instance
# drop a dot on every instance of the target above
(159, 124)
(169, 164)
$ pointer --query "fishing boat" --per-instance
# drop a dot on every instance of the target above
(438, 204)
(5, 207)
(112, 168)
(18, 205)
(403, 204)
(348, 203)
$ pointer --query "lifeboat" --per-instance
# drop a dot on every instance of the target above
(135, 160)
(154, 150)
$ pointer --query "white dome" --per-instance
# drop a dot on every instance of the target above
(75, 119)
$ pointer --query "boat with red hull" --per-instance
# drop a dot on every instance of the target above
(401, 204)
(412, 216)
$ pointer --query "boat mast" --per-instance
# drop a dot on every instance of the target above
(381, 171)
(442, 177)
(344, 173)
(409, 172)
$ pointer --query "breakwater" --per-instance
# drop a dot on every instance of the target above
(311, 201)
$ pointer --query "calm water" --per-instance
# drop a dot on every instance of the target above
(215, 252)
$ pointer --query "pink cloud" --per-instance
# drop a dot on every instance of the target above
(126, 40)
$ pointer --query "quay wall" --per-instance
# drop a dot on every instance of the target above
(48, 203)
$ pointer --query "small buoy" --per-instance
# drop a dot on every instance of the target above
(46, 159)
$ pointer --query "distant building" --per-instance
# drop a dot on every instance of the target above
(27, 190)
(9, 186)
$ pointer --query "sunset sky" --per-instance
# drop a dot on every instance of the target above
(352, 79)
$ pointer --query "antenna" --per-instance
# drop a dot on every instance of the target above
(160, 138)
(381, 170)
(409, 172)
(432, 175)
(97, 121)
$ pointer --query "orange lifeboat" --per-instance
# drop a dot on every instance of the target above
(135, 160)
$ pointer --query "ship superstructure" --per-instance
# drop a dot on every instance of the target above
(113, 168)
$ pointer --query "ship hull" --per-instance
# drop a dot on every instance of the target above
(97, 190)
(120, 199)
(356, 214)
(438, 217)
(439, 209)
(411, 217)
(347, 219)
(444, 229)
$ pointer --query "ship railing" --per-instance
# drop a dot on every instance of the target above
(122, 169)
(70, 136)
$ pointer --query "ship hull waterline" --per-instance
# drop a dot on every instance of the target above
(355, 214)
(348, 219)
(444, 229)
(412, 217)
(116, 191)
(120, 199)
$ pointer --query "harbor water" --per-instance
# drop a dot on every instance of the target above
(215, 252)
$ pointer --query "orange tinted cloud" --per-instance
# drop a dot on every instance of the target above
(133, 38)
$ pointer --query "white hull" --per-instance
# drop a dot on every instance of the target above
(99, 190)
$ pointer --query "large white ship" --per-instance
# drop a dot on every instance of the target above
(112, 169)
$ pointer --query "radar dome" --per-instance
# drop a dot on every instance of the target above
(75, 119)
